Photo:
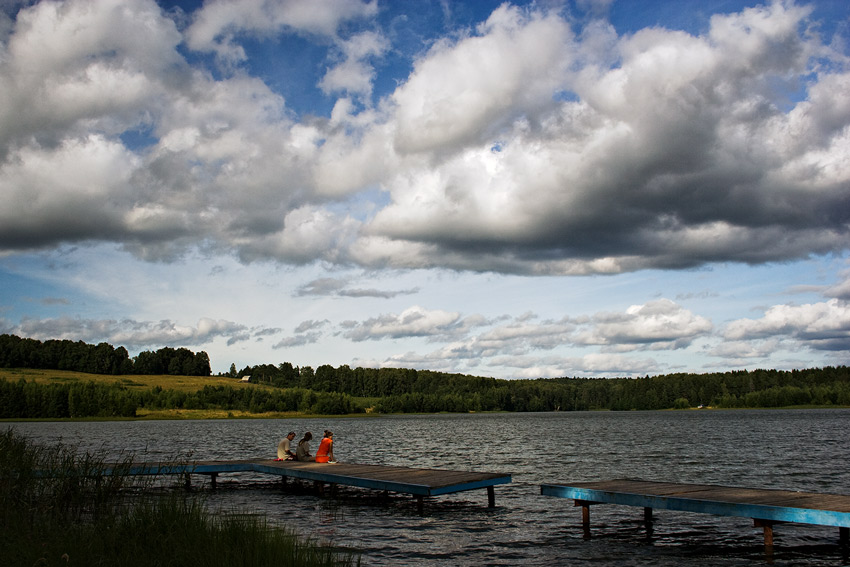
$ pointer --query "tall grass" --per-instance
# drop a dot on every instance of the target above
(57, 507)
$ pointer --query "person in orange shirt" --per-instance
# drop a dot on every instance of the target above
(325, 452)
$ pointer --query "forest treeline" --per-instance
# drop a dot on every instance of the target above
(102, 358)
(343, 390)
(26, 399)
(410, 391)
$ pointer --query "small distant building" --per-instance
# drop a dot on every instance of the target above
(246, 379)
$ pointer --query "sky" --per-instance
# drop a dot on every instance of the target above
(584, 188)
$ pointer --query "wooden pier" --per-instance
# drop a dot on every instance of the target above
(766, 507)
(417, 482)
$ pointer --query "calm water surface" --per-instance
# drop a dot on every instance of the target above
(794, 449)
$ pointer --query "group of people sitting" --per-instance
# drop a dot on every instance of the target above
(325, 453)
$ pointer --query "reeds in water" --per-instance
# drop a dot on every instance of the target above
(58, 507)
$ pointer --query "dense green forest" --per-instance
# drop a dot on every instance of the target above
(27, 399)
(343, 390)
(407, 390)
(103, 358)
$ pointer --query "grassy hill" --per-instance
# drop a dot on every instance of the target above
(134, 381)
(145, 382)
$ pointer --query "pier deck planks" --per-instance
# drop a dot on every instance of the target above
(406, 480)
(765, 506)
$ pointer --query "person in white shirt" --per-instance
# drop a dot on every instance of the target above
(284, 450)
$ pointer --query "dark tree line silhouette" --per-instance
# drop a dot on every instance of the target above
(408, 391)
(27, 399)
(102, 358)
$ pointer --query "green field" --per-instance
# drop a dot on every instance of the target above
(133, 381)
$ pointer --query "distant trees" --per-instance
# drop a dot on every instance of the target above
(26, 399)
(413, 391)
(102, 358)
(178, 362)
(340, 390)
(396, 390)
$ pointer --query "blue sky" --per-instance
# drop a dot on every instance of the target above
(520, 190)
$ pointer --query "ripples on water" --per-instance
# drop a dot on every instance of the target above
(787, 449)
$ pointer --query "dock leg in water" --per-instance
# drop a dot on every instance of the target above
(844, 536)
(420, 504)
(491, 497)
(585, 513)
(585, 517)
(767, 525)
(647, 522)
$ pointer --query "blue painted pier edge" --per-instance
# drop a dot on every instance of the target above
(767, 507)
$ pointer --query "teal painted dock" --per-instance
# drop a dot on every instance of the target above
(767, 507)
(418, 482)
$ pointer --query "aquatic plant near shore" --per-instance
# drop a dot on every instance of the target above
(57, 507)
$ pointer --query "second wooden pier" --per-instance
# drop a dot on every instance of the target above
(766, 507)
(417, 482)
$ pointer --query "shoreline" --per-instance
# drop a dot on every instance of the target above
(212, 415)
(194, 415)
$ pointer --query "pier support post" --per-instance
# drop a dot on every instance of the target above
(767, 525)
(420, 504)
(647, 522)
(491, 497)
(585, 513)
(844, 536)
(213, 478)
(585, 518)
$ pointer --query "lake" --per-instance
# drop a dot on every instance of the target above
(787, 449)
